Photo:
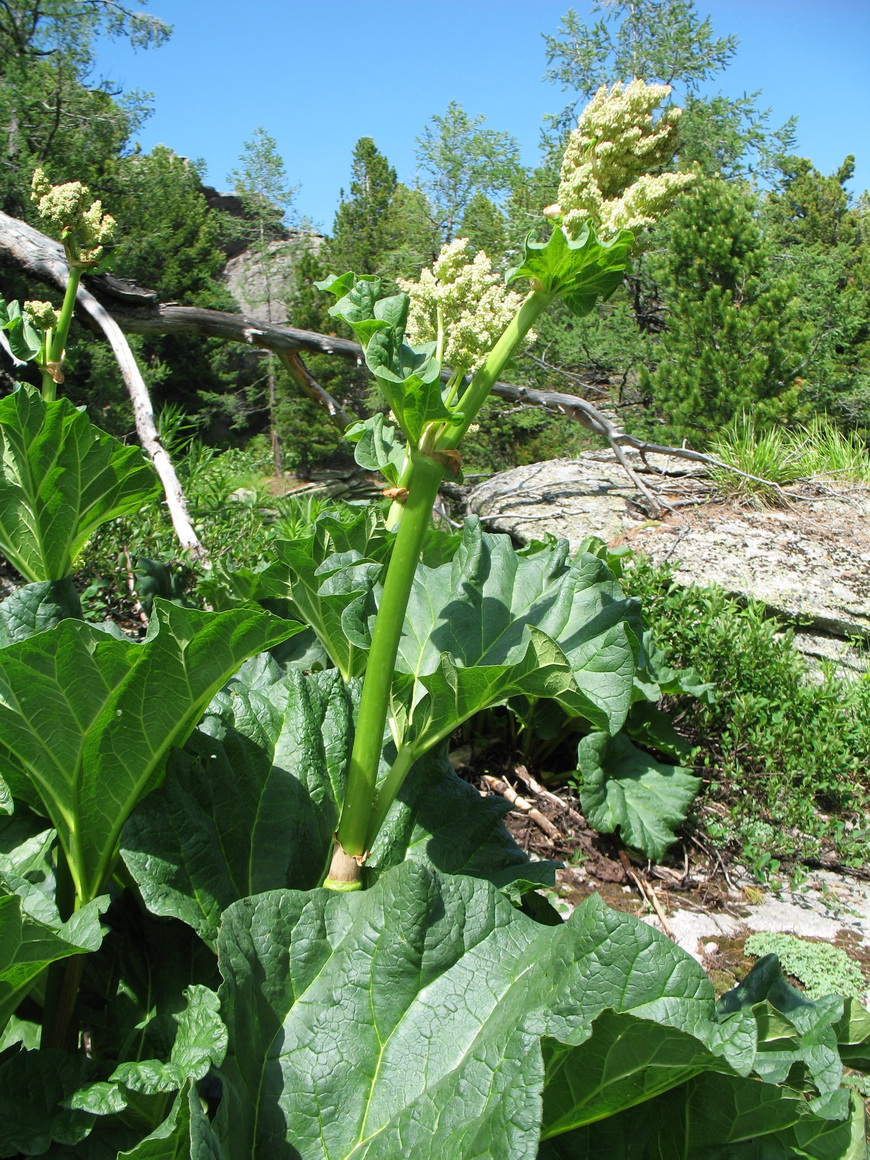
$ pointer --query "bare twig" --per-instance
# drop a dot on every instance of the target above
(44, 258)
(647, 892)
(540, 791)
(521, 803)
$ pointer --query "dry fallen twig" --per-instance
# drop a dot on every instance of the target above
(647, 892)
(521, 803)
(540, 791)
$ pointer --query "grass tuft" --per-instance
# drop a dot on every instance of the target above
(778, 456)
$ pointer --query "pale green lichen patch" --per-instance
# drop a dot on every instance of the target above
(822, 968)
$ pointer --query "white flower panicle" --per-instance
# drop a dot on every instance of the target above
(69, 212)
(606, 169)
(475, 305)
(42, 314)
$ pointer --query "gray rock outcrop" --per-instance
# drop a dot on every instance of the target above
(809, 563)
(259, 280)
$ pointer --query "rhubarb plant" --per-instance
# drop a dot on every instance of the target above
(247, 908)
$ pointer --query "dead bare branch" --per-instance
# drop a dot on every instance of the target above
(137, 311)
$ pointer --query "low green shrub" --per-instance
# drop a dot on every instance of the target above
(777, 743)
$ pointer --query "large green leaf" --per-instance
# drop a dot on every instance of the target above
(622, 786)
(579, 271)
(410, 377)
(34, 1088)
(28, 944)
(321, 577)
(406, 1020)
(452, 693)
(134, 989)
(60, 478)
(86, 722)
(719, 1117)
(622, 1064)
(253, 801)
(478, 609)
(185, 1134)
(198, 1043)
(791, 1027)
(25, 341)
(377, 446)
(37, 607)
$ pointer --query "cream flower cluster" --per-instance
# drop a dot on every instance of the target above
(71, 214)
(42, 314)
(606, 169)
(474, 303)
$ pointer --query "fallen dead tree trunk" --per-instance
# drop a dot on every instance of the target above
(137, 310)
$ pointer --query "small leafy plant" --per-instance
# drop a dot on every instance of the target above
(227, 1004)
(824, 969)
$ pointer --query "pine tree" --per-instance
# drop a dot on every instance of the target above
(483, 224)
(361, 231)
(825, 241)
(734, 339)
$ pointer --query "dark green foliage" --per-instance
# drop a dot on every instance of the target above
(54, 113)
(735, 340)
(168, 238)
(307, 433)
(484, 224)
(414, 236)
(362, 231)
(826, 242)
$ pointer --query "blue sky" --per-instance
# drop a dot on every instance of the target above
(319, 74)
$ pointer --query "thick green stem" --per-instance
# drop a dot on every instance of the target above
(55, 349)
(62, 985)
(353, 827)
(386, 792)
(482, 383)
(364, 807)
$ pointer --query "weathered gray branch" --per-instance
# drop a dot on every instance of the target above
(138, 311)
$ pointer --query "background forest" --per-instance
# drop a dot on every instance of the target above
(752, 295)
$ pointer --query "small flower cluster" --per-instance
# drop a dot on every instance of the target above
(471, 300)
(606, 169)
(42, 314)
(71, 214)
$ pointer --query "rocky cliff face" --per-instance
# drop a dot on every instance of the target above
(259, 281)
(808, 563)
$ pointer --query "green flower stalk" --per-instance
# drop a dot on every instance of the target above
(68, 212)
(461, 313)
